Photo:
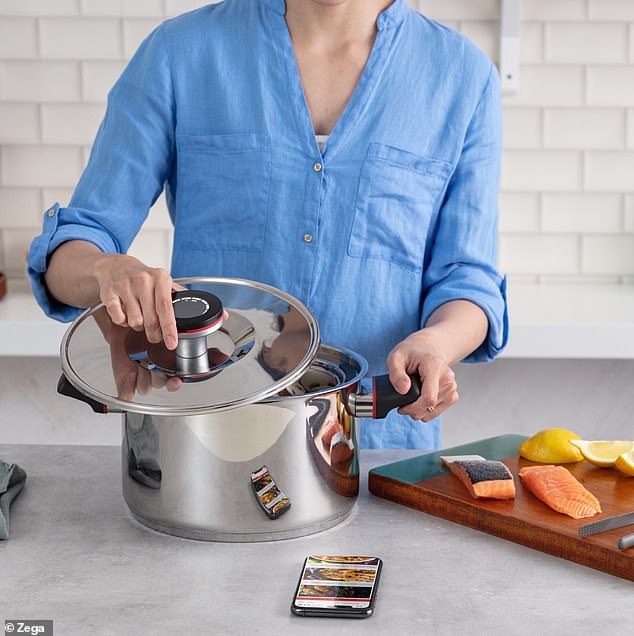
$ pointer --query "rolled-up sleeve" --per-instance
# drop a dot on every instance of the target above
(129, 163)
(463, 253)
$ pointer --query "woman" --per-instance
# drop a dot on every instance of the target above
(345, 151)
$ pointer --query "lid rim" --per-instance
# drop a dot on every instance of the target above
(192, 411)
(115, 404)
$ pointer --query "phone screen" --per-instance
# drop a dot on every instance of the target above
(333, 582)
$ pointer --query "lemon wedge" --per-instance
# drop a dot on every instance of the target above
(602, 453)
(551, 446)
(625, 463)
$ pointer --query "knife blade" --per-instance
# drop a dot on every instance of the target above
(606, 524)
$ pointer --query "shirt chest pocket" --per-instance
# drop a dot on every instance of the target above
(223, 191)
(399, 193)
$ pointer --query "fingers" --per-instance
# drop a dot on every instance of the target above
(133, 312)
(138, 297)
(439, 392)
(143, 381)
(150, 319)
(157, 379)
(115, 310)
(165, 309)
(125, 381)
(397, 368)
(173, 384)
(160, 380)
(447, 397)
(430, 369)
(430, 375)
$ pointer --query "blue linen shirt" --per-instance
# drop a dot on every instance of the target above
(396, 216)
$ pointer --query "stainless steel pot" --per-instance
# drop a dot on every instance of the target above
(237, 437)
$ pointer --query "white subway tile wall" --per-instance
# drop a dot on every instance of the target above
(610, 85)
(97, 78)
(540, 253)
(39, 8)
(19, 123)
(38, 82)
(611, 10)
(586, 213)
(523, 128)
(604, 254)
(541, 170)
(567, 199)
(135, 8)
(609, 171)
(18, 38)
(549, 85)
(555, 10)
(568, 43)
(519, 212)
(70, 124)
(629, 213)
(20, 208)
(80, 38)
(134, 32)
(583, 128)
(33, 166)
(531, 42)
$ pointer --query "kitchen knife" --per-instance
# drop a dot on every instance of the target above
(606, 524)
(626, 541)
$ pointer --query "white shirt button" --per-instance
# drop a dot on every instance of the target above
(308, 238)
(317, 167)
(51, 212)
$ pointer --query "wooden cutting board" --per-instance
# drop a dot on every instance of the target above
(423, 483)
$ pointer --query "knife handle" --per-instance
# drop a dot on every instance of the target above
(626, 541)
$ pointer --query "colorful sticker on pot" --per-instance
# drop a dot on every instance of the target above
(271, 499)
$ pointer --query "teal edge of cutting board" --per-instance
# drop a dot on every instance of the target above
(415, 469)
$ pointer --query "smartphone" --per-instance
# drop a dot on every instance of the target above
(337, 586)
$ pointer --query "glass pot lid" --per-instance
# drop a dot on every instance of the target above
(265, 344)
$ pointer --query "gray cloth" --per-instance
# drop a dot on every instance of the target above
(12, 479)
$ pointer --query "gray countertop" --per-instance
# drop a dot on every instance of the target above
(76, 556)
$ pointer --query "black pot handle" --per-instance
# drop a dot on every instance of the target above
(64, 387)
(385, 397)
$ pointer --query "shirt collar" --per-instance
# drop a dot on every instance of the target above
(390, 17)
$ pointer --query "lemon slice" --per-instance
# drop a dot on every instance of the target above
(625, 463)
(602, 453)
(551, 446)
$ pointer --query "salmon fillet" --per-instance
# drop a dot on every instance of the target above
(484, 478)
(557, 488)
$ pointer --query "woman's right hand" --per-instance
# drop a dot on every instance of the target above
(137, 296)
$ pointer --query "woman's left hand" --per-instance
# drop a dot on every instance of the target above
(422, 353)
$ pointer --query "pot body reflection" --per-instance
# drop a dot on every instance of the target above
(191, 475)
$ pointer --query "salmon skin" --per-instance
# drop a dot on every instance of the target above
(558, 488)
(483, 478)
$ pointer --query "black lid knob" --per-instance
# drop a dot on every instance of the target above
(196, 310)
